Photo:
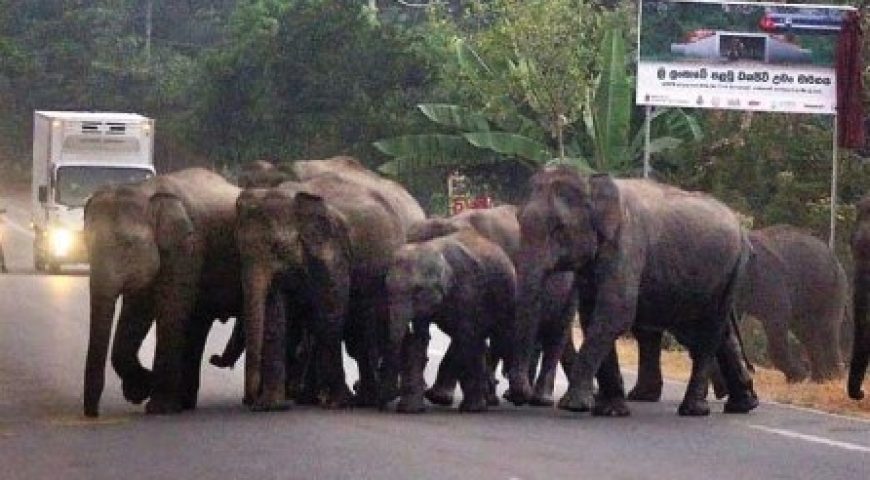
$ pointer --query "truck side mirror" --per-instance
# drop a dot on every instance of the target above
(42, 194)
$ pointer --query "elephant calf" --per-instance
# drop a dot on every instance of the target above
(552, 328)
(463, 283)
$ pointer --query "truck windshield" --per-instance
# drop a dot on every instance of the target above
(76, 183)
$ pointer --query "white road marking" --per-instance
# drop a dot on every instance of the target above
(812, 438)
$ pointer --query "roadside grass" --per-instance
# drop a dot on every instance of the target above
(770, 384)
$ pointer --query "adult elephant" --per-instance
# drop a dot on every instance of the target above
(860, 293)
(166, 246)
(793, 282)
(466, 285)
(553, 332)
(646, 255)
(329, 239)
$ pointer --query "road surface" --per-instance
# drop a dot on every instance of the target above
(43, 337)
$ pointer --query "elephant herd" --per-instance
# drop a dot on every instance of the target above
(326, 253)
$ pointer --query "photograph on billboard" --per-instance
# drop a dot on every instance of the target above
(738, 55)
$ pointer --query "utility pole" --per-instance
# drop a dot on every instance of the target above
(149, 7)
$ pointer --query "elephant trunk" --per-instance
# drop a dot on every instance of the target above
(255, 284)
(861, 340)
(400, 316)
(102, 314)
(525, 331)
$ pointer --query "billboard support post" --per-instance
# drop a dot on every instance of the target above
(646, 128)
(834, 178)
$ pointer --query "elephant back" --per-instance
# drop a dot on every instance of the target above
(351, 170)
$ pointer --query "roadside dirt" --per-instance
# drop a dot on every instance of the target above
(770, 384)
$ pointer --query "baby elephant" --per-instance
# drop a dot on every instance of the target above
(463, 283)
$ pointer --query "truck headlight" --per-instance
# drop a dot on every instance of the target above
(61, 241)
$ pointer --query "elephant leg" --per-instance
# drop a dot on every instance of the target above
(273, 366)
(137, 315)
(597, 356)
(412, 384)
(775, 323)
(695, 399)
(441, 392)
(368, 361)
(552, 347)
(568, 352)
(649, 369)
(473, 380)
(194, 346)
(310, 386)
(824, 353)
(610, 401)
(176, 296)
(298, 353)
(741, 396)
(329, 367)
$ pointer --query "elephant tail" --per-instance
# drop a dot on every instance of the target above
(738, 275)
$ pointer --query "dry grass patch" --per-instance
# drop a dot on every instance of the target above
(770, 384)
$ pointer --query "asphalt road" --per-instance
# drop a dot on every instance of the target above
(43, 337)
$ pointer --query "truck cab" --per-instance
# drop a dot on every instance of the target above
(74, 153)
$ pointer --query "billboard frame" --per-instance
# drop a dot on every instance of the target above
(647, 167)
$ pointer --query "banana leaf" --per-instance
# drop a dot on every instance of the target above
(511, 144)
(455, 116)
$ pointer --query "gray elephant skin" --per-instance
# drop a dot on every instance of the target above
(466, 285)
(559, 308)
(793, 282)
(860, 292)
(167, 247)
(645, 255)
(326, 240)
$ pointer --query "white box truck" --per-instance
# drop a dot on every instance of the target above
(74, 153)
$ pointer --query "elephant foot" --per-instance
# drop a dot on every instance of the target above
(645, 393)
(518, 396)
(188, 403)
(542, 400)
(365, 394)
(474, 404)
(271, 405)
(438, 396)
(341, 398)
(492, 399)
(158, 406)
(387, 394)
(136, 391)
(742, 403)
(697, 408)
(576, 400)
(610, 407)
(412, 403)
(306, 397)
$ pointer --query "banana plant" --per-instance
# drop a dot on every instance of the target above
(603, 142)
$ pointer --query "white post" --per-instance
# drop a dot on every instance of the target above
(646, 128)
(834, 177)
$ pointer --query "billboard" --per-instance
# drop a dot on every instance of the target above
(738, 55)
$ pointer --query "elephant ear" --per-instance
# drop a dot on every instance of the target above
(319, 225)
(606, 207)
(173, 227)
